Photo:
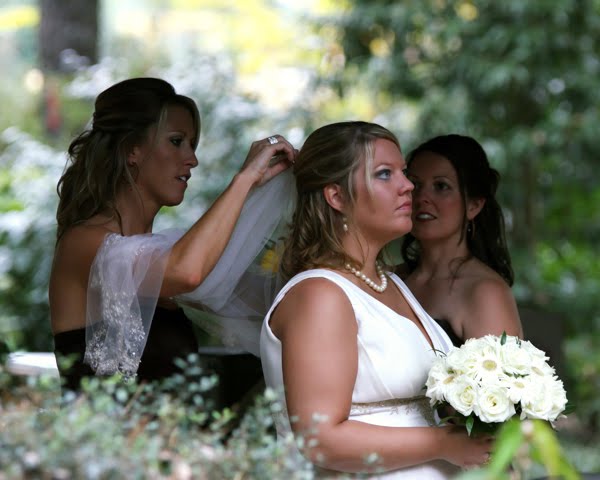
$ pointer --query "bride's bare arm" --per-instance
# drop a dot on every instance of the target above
(316, 325)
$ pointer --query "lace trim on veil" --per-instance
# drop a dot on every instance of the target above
(123, 289)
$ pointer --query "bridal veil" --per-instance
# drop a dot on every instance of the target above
(127, 273)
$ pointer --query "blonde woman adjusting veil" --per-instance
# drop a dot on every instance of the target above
(345, 342)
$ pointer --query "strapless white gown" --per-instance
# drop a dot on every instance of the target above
(394, 359)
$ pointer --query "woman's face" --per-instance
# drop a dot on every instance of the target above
(165, 162)
(438, 206)
(383, 213)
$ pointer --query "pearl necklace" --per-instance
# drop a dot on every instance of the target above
(380, 273)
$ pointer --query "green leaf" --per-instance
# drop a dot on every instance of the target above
(508, 441)
(547, 449)
(503, 338)
(469, 424)
(569, 408)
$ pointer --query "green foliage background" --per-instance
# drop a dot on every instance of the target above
(520, 77)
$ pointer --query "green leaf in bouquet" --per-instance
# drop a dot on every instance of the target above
(469, 424)
(569, 408)
(503, 338)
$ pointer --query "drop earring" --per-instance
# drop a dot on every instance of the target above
(471, 229)
(345, 224)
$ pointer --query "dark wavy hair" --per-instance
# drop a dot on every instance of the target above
(123, 116)
(331, 154)
(486, 238)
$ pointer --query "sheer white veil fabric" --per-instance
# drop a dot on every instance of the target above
(127, 273)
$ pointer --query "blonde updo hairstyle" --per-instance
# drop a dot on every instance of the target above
(330, 155)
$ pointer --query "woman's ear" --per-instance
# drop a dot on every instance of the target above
(474, 206)
(335, 197)
(134, 156)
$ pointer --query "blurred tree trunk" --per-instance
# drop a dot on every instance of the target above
(65, 25)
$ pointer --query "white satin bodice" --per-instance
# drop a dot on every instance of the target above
(394, 358)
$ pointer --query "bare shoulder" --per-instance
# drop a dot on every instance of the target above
(314, 302)
(484, 287)
(489, 300)
(75, 252)
(81, 243)
(73, 259)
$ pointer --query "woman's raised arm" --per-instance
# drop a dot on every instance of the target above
(196, 253)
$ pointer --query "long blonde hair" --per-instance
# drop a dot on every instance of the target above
(330, 155)
(123, 116)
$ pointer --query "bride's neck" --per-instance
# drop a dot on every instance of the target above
(365, 253)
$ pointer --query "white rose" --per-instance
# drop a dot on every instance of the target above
(544, 399)
(456, 359)
(462, 395)
(515, 360)
(493, 404)
(464, 359)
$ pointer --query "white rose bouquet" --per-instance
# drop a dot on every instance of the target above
(491, 379)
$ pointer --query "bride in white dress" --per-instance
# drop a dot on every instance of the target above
(346, 341)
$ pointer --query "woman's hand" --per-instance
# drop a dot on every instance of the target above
(268, 158)
(465, 451)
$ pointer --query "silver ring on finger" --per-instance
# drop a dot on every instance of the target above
(273, 140)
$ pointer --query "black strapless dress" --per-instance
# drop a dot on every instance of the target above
(171, 336)
(456, 340)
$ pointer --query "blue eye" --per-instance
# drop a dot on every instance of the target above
(384, 174)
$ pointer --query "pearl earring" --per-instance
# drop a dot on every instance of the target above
(345, 225)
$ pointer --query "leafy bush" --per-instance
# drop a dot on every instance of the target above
(170, 430)
(119, 429)
(29, 172)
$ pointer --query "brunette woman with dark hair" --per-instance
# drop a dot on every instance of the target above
(456, 261)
